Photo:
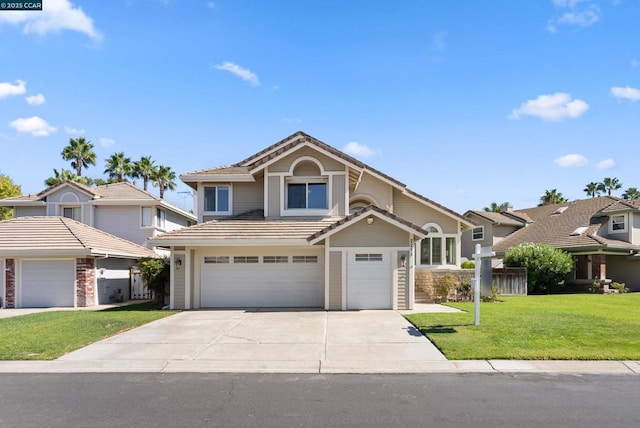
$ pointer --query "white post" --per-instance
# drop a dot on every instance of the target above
(476, 286)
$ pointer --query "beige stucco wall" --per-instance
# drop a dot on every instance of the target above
(379, 234)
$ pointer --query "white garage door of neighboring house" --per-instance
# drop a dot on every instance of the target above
(47, 283)
(262, 281)
(369, 280)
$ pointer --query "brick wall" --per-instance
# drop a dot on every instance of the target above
(9, 299)
(85, 282)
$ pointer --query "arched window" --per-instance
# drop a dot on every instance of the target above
(437, 248)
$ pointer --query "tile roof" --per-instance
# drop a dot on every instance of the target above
(62, 236)
(556, 229)
(247, 231)
(123, 191)
(497, 218)
(622, 205)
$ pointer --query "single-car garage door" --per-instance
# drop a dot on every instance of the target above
(47, 283)
(368, 280)
(262, 281)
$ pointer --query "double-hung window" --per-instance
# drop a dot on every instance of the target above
(146, 217)
(161, 218)
(618, 223)
(478, 233)
(217, 199)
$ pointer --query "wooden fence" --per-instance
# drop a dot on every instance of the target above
(510, 281)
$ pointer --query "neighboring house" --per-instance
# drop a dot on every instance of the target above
(302, 224)
(57, 261)
(602, 234)
(120, 209)
(491, 228)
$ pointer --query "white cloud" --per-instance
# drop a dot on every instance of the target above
(627, 92)
(35, 126)
(55, 16)
(606, 164)
(107, 142)
(571, 160)
(582, 13)
(357, 149)
(8, 89)
(556, 106)
(36, 100)
(243, 73)
(73, 131)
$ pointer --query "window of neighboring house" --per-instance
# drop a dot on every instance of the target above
(307, 195)
(72, 212)
(477, 233)
(146, 219)
(618, 223)
(161, 218)
(216, 199)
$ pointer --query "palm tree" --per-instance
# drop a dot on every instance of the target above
(592, 189)
(631, 193)
(80, 153)
(610, 184)
(493, 208)
(118, 167)
(144, 168)
(551, 197)
(66, 175)
(164, 178)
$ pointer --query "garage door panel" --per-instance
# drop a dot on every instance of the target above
(262, 284)
(47, 283)
(368, 280)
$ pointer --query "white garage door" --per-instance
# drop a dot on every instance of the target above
(262, 281)
(368, 281)
(47, 283)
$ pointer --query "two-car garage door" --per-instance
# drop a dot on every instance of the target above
(262, 281)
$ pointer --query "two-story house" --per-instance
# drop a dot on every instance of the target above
(602, 234)
(302, 224)
(114, 222)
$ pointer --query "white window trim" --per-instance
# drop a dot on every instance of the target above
(284, 211)
(151, 218)
(156, 218)
(472, 233)
(626, 224)
(218, 213)
(443, 236)
(61, 208)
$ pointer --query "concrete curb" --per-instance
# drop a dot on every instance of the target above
(323, 367)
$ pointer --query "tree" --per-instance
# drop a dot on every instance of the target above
(547, 267)
(551, 197)
(164, 178)
(66, 175)
(155, 275)
(118, 166)
(592, 189)
(610, 184)
(80, 153)
(144, 168)
(8, 189)
(493, 208)
(631, 193)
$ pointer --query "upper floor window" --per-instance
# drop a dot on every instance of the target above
(161, 218)
(72, 213)
(618, 223)
(307, 195)
(216, 199)
(146, 217)
(477, 233)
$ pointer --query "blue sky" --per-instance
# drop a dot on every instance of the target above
(467, 102)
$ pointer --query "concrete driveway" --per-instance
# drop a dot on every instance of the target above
(266, 340)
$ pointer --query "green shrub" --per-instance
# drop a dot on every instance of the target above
(444, 285)
(620, 286)
(468, 264)
(464, 293)
(155, 274)
(547, 267)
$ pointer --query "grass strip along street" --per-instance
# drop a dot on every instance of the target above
(49, 335)
(550, 327)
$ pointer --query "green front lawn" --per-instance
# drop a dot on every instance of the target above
(554, 327)
(49, 335)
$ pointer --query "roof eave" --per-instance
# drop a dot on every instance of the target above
(211, 242)
(217, 178)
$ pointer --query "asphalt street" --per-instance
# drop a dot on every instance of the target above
(269, 400)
